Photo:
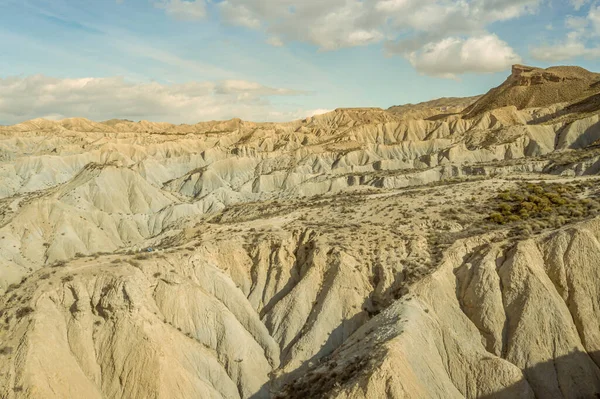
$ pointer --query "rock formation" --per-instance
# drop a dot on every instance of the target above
(447, 249)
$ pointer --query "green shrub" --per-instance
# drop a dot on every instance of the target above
(505, 209)
(505, 196)
(551, 204)
(497, 218)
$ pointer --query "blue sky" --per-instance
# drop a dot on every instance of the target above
(185, 61)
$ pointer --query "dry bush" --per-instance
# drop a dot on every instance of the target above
(24, 311)
(7, 350)
(535, 207)
(550, 205)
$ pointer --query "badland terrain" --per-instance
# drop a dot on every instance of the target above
(449, 249)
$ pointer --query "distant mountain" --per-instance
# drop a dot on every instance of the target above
(428, 109)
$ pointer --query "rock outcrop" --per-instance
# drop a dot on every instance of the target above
(529, 87)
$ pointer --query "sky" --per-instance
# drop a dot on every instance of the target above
(184, 61)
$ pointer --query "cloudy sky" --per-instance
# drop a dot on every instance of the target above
(184, 61)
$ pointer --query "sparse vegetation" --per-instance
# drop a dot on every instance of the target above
(24, 311)
(12, 287)
(315, 383)
(544, 205)
(6, 350)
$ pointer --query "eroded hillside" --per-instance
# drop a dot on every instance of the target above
(416, 252)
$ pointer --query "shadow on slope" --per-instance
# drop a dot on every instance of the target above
(573, 376)
(337, 337)
(565, 377)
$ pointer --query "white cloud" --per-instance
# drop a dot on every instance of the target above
(319, 111)
(576, 23)
(564, 51)
(186, 10)
(275, 41)
(594, 18)
(577, 4)
(252, 88)
(335, 24)
(23, 98)
(575, 44)
(404, 25)
(453, 56)
(239, 15)
(329, 24)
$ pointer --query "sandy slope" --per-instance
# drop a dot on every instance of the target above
(346, 255)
